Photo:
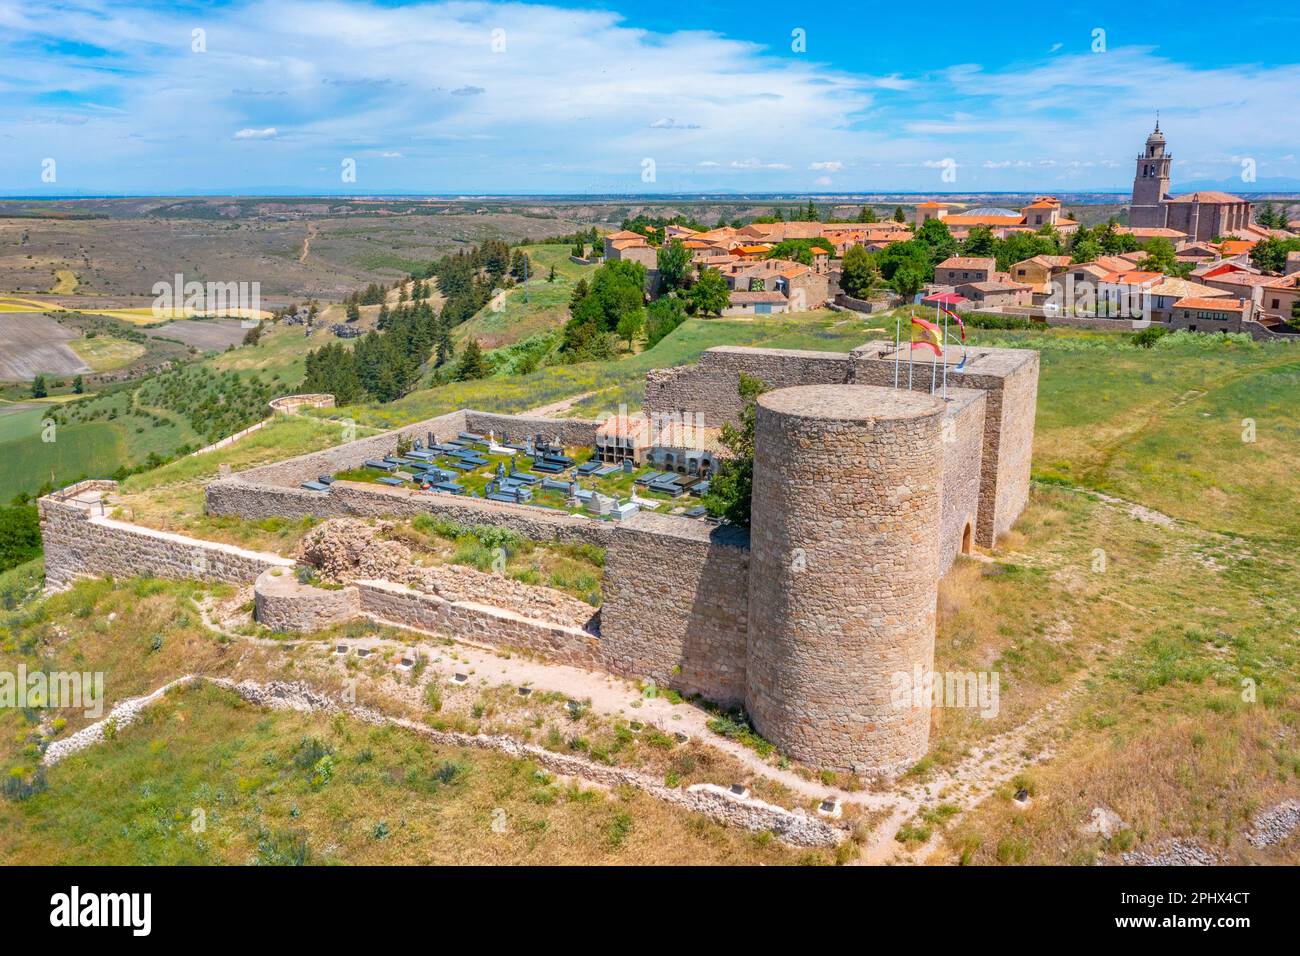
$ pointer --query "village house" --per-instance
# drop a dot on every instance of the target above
(1123, 294)
(1195, 314)
(1038, 272)
(1043, 212)
(996, 293)
(756, 303)
(960, 269)
(1167, 292)
(627, 246)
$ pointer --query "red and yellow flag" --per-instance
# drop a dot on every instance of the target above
(957, 318)
(926, 335)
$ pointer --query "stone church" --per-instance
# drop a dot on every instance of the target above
(1201, 215)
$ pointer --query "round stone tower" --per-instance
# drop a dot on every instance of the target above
(843, 572)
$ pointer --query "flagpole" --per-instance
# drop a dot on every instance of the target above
(933, 367)
(945, 356)
(898, 332)
(910, 352)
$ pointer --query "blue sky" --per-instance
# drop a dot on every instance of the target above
(636, 97)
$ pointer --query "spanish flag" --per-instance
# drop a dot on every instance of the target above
(927, 335)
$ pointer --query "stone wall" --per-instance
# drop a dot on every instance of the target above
(677, 605)
(963, 450)
(79, 543)
(572, 431)
(256, 501)
(843, 570)
(397, 604)
(709, 387)
(282, 603)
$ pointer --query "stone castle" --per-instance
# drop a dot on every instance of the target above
(863, 496)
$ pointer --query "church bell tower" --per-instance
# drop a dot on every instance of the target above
(1151, 183)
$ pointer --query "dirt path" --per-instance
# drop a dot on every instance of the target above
(556, 409)
(312, 230)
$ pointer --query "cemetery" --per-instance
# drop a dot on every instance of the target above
(864, 493)
(529, 470)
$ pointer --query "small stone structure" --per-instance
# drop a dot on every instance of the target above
(863, 496)
(283, 603)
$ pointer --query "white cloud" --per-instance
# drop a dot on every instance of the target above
(575, 101)
(753, 163)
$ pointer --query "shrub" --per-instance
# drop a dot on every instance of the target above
(1147, 337)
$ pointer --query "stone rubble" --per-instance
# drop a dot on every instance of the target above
(350, 549)
(1272, 826)
(1172, 853)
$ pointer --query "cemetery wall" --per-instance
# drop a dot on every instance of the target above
(572, 431)
(676, 605)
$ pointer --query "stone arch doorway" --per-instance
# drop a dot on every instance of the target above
(967, 538)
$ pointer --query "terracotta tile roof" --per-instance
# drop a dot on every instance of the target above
(1209, 197)
(994, 286)
(1244, 279)
(1223, 305)
(625, 234)
(635, 426)
(1184, 288)
(1232, 247)
(753, 298)
(1050, 262)
(968, 262)
(1131, 277)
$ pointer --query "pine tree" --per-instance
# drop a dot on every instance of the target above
(473, 364)
(580, 292)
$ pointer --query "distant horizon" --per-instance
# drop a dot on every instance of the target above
(837, 198)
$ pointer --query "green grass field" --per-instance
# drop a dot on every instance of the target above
(530, 308)
(103, 353)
